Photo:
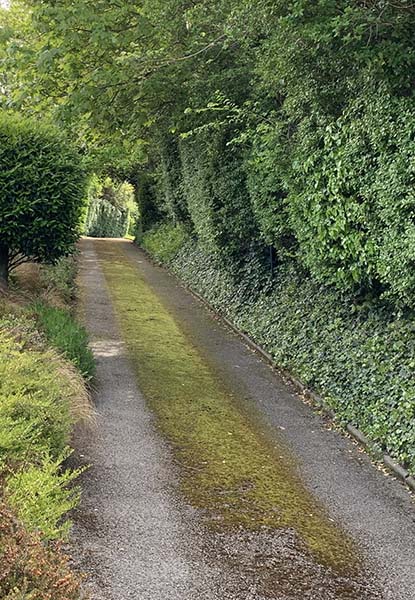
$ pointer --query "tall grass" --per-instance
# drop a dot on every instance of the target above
(66, 335)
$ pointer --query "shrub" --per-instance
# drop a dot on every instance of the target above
(163, 242)
(41, 497)
(42, 181)
(41, 397)
(34, 397)
(68, 336)
(29, 568)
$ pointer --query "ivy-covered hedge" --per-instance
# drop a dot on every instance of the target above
(106, 220)
(360, 357)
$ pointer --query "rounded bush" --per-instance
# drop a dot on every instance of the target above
(42, 183)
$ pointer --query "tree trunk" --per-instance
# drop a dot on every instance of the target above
(4, 265)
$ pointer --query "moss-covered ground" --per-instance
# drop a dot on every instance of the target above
(230, 468)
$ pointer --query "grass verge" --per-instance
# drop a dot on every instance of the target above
(42, 395)
(67, 335)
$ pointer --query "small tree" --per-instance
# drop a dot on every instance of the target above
(42, 184)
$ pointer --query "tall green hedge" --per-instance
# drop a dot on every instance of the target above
(42, 189)
(106, 220)
(302, 139)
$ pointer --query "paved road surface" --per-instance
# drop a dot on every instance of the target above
(138, 537)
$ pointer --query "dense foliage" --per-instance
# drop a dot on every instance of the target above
(280, 136)
(360, 358)
(289, 124)
(112, 210)
(42, 186)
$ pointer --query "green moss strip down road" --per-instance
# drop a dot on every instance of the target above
(230, 467)
(280, 508)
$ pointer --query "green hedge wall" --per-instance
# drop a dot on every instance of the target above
(105, 220)
(302, 139)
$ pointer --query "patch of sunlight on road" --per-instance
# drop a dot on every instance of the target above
(230, 469)
(107, 348)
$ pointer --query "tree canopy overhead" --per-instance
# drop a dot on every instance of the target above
(255, 122)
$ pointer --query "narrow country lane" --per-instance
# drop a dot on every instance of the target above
(209, 478)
